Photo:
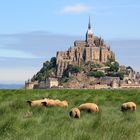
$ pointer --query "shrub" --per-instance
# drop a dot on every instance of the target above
(75, 69)
(121, 75)
(71, 69)
(114, 67)
(96, 74)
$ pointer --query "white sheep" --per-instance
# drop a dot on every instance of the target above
(128, 106)
(75, 113)
(90, 107)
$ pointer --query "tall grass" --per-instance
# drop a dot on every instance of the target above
(55, 124)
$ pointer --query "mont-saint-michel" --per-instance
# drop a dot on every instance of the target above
(87, 69)
(88, 64)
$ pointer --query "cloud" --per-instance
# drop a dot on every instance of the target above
(9, 53)
(39, 44)
(77, 8)
(96, 10)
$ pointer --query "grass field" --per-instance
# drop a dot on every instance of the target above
(54, 123)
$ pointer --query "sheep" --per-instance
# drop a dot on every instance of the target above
(90, 107)
(37, 102)
(75, 113)
(128, 106)
(51, 102)
(48, 102)
(62, 103)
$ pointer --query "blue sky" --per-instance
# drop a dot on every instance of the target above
(31, 31)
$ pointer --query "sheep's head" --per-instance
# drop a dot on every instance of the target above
(44, 103)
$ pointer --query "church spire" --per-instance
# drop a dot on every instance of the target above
(89, 34)
(89, 27)
(89, 24)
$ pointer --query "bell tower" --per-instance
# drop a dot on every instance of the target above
(89, 34)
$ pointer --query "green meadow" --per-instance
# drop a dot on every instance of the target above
(19, 121)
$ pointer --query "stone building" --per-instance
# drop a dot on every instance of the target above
(49, 83)
(91, 49)
(52, 83)
(30, 85)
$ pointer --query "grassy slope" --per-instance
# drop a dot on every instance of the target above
(55, 123)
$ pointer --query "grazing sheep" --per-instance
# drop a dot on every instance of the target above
(51, 102)
(37, 102)
(128, 106)
(62, 103)
(75, 113)
(90, 107)
(48, 102)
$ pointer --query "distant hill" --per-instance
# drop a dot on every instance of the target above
(11, 86)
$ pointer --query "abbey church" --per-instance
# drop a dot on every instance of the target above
(91, 49)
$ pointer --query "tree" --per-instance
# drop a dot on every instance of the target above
(53, 62)
(129, 67)
(114, 67)
(46, 64)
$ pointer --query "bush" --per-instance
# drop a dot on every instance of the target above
(71, 69)
(96, 74)
(114, 67)
(65, 79)
(75, 69)
(116, 74)
(121, 75)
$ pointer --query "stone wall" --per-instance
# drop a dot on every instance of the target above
(130, 86)
(30, 85)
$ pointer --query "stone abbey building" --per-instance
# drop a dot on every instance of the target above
(91, 49)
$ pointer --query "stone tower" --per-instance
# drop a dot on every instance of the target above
(89, 34)
(91, 49)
